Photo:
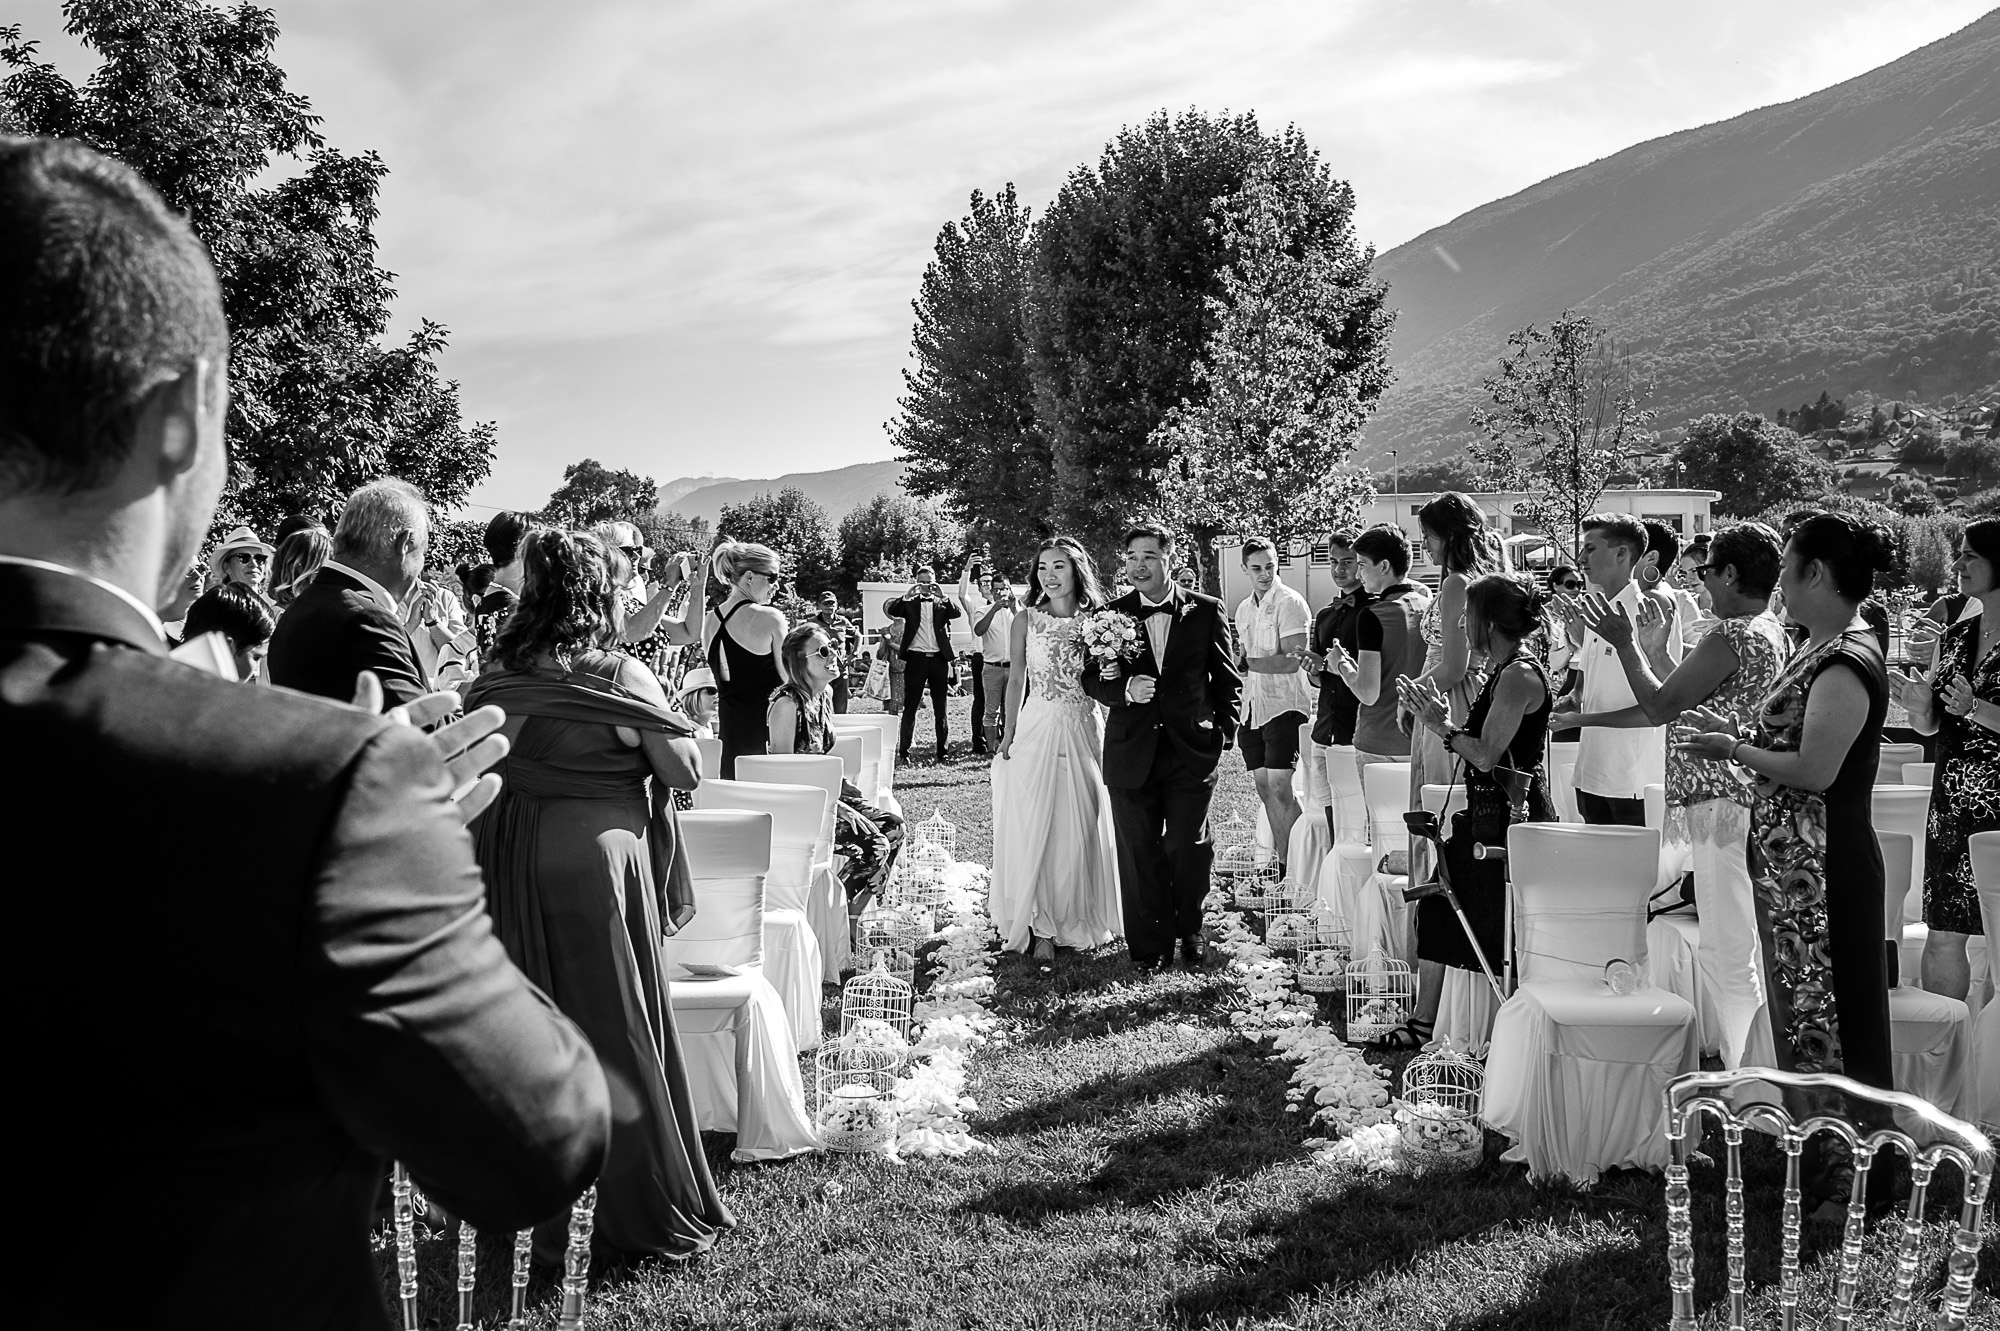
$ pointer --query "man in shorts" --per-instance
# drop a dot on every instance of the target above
(1273, 625)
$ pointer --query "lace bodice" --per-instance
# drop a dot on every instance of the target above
(1055, 661)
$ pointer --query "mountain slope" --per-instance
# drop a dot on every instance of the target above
(837, 492)
(1846, 241)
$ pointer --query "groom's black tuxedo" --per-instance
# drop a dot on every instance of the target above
(1159, 764)
(252, 964)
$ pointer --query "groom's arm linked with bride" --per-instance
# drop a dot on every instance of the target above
(1172, 713)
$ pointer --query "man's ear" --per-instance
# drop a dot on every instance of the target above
(168, 422)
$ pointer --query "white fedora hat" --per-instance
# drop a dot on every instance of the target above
(241, 539)
(701, 677)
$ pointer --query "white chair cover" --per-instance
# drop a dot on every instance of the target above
(1342, 875)
(1919, 774)
(742, 1066)
(886, 724)
(1306, 855)
(1905, 809)
(850, 748)
(1350, 806)
(792, 960)
(1576, 1075)
(1379, 917)
(1929, 1034)
(1562, 779)
(711, 755)
(873, 782)
(826, 900)
(1889, 764)
(1981, 1100)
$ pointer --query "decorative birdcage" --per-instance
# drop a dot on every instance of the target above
(1324, 958)
(875, 1009)
(1380, 993)
(1257, 887)
(1438, 1114)
(889, 936)
(1287, 927)
(855, 1095)
(939, 831)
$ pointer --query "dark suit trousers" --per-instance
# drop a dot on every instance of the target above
(1164, 853)
(923, 670)
(974, 666)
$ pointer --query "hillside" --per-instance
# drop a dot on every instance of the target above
(1847, 241)
(835, 491)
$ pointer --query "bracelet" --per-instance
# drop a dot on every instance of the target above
(1732, 750)
(1451, 733)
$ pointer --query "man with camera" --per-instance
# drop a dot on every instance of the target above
(989, 604)
(926, 613)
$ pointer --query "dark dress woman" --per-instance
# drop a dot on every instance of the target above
(869, 838)
(1965, 790)
(1494, 801)
(583, 879)
(744, 682)
(1818, 876)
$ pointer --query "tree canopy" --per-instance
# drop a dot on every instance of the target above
(1752, 463)
(591, 493)
(890, 534)
(794, 526)
(189, 96)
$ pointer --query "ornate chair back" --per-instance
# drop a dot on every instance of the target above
(1924, 1133)
(1579, 898)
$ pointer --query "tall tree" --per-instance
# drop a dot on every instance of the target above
(189, 96)
(1127, 261)
(1751, 463)
(592, 492)
(793, 525)
(890, 534)
(966, 421)
(1565, 411)
(1295, 364)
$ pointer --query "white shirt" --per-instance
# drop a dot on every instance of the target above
(1618, 763)
(374, 588)
(1158, 627)
(994, 644)
(145, 611)
(1262, 624)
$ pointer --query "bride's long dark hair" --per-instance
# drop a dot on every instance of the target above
(1089, 596)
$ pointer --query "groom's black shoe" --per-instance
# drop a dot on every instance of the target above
(1149, 965)
(1193, 955)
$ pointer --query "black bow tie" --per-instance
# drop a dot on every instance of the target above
(1148, 611)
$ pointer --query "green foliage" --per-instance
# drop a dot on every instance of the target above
(591, 493)
(1976, 460)
(1924, 544)
(1456, 471)
(891, 534)
(1297, 360)
(456, 541)
(189, 96)
(1565, 411)
(1912, 495)
(793, 525)
(966, 423)
(1751, 463)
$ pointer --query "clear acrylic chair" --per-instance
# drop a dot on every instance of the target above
(1925, 1134)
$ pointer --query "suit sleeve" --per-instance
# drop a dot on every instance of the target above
(428, 1043)
(1225, 685)
(380, 644)
(1110, 692)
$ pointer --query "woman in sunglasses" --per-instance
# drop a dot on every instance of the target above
(800, 717)
(743, 647)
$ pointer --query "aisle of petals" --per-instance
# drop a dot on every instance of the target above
(952, 1020)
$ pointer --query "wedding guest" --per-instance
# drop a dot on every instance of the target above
(334, 997)
(698, 700)
(487, 606)
(743, 647)
(1188, 579)
(1565, 584)
(1814, 858)
(925, 646)
(1337, 624)
(1274, 626)
(1502, 746)
(242, 559)
(800, 720)
(1615, 765)
(584, 875)
(350, 618)
(1728, 673)
(505, 531)
(300, 555)
(840, 631)
(885, 649)
(436, 621)
(242, 617)
(173, 610)
(1656, 575)
(1390, 645)
(658, 620)
(1959, 702)
(1457, 541)
(989, 609)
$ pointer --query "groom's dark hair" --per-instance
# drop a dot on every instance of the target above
(1140, 530)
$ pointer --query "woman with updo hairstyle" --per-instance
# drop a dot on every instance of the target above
(1456, 539)
(585, 875)
(1500, 748)
(1814, 861)
(801, 721)
(742, 647)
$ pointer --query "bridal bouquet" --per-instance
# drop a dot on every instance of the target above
(1111, 639)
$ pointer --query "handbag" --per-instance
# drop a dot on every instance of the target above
(877, 686)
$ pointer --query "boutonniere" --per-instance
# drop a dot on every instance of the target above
(1186, 607)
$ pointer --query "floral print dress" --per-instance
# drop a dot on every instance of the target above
(1965, 791)
(1818, 876)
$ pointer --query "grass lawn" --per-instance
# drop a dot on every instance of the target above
(1146, 1174)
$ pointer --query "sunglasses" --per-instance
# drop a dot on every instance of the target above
(1703, 570)
(1569, 586)
(250, 556)
(633, 551)
(828, 650)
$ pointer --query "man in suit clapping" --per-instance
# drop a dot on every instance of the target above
(254, 962)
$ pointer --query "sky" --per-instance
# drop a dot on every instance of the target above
(682, 236)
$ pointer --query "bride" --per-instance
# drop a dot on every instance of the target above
(1055, 864)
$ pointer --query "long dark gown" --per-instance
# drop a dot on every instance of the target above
(573, 871)
(1817, 870)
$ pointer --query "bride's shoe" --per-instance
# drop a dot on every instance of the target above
(1045, 949)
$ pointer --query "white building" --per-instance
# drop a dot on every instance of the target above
(1305, 566)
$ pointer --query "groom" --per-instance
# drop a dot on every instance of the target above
(1173, 712)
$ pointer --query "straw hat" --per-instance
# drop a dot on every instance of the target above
(701, 677)
(241, 539)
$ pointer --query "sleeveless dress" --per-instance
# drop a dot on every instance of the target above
(1818, 875)
(744, 683)
(1965, 789)
(1055, 857)
(1494, 801)
(1430, 763)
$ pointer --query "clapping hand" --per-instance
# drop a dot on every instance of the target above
(1706, 734)
(467, 746)
(1957, 696)
(1911, 690)
(1425, 703)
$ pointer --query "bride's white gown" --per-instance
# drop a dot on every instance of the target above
(1055, 862)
